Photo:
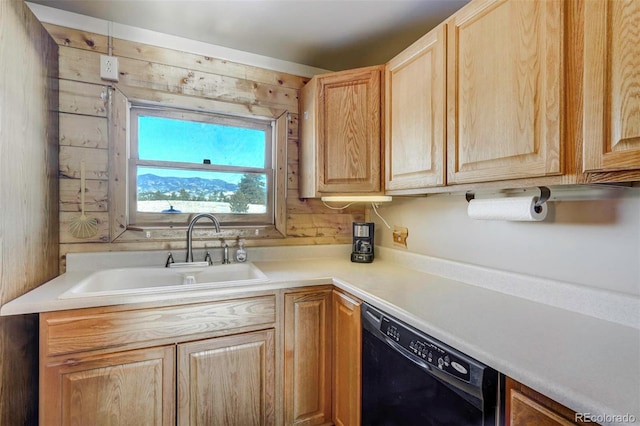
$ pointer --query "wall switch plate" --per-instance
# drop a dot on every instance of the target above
(108, 68)
(400, 235)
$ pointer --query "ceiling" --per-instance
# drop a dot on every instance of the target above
(328, 34)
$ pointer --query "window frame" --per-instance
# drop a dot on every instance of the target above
(120, 98)
(145, 219)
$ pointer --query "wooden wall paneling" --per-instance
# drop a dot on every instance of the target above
(164, 76)
(96, 161)
(79, 98)
(78, 39)
(202, 237)
(293, 165)
(320, 225)
(143, 95)
(79, 65)
(293, 126)
(96, 195)
(82, 65)
(133, 50)
(180, 244)
(28, 196)
(83, 131)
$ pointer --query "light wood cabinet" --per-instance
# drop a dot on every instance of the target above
(611, 86)
(415, 115)
(347, 355)
(124, 388)
(341, 133)
(307, 358)
(505, 81)
(227, 380)
(117, 365)
(526, 407)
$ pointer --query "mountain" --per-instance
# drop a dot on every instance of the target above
(195, 185)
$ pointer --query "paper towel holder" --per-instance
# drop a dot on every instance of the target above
(545, 194)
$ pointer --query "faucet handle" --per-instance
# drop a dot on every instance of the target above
(169, 260)
(225, 252)
(207, 258)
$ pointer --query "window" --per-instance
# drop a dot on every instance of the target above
(184, 162)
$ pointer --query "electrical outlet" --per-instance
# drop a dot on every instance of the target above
(400, 235)
(108, 68)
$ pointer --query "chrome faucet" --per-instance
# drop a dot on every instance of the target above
(225, 253)
(190, 231)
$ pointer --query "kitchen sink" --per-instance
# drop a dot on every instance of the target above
(145, 280)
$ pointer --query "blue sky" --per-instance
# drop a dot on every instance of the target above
(166, 139)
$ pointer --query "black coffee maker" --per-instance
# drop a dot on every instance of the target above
(362, 250)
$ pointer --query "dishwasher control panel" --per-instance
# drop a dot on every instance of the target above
(426, 349)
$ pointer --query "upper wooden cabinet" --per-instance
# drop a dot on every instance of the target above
(340, 143)
(505, 76)
(611, 85)
(415, 115)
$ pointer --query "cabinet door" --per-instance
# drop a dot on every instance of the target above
(611, 85)
(526, 407)
(347, 354)
(227, 380)
(124, 388)
(505, 90)
(415, 115)
(307, 362)
(349, 131)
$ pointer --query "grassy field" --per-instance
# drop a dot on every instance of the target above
(193, 206)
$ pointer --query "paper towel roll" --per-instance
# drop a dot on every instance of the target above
(512, 208)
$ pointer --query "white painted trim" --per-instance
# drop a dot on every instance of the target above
(63, 18)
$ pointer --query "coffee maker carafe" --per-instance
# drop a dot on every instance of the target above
(362, 249)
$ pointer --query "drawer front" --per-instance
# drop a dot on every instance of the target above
(99, 328)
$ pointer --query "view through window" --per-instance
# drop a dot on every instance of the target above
(189, 162)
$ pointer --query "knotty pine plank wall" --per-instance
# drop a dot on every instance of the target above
(84, 124)
(28, 197)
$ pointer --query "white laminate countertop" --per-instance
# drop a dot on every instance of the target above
(590, 364)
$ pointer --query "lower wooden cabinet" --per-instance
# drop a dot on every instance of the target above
(227, 380)
(307, 358)
(210, 363)
(526, 407)
(123, 388)
(347, 355)
(322, 344)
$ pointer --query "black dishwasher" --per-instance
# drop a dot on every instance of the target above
(410, 378)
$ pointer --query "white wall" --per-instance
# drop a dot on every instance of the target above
(594, 243)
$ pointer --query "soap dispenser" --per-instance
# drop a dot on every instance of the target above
(241, 253)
